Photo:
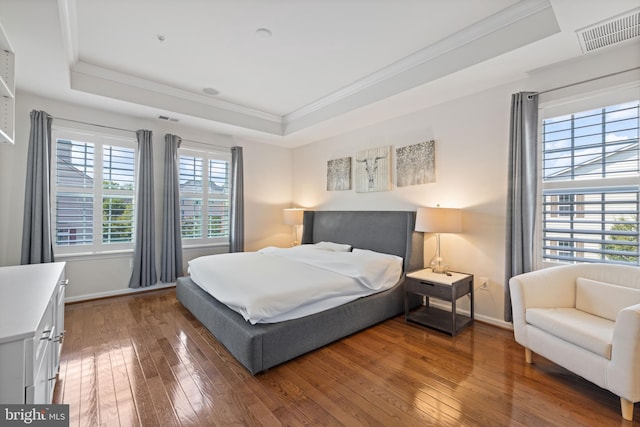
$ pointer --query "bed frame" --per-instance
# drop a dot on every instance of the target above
(262, 346)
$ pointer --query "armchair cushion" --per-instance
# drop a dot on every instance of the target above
(585, 330)
(604, 299)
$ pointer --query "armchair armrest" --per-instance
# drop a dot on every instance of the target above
(547, 288)
(623, 372)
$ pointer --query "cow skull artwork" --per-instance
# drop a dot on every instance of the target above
(372, 170)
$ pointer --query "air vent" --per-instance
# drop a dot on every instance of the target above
(610, 32)
(167, 118)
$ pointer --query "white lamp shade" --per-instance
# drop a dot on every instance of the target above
(293, 216)
(439, 220)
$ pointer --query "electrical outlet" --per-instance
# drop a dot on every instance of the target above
(483, 283)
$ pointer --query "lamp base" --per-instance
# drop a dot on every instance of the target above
(438, 266)
(295, 241)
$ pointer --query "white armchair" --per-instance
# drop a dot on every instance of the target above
(585, 318)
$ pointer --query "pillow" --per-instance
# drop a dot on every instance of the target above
(334, 247)
(604, 299)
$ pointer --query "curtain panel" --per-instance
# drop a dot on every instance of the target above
(522, 190)
(37, 246)
(144, 259)
(236, 228)
(171, 256)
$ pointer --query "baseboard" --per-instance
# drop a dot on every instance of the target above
(479, 317)
(119, 292)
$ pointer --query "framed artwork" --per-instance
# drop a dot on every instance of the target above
(339, 174)
(373, 170)
(416, 164)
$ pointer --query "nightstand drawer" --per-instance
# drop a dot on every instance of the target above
(420, 287)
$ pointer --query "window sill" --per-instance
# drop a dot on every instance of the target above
(80, 256)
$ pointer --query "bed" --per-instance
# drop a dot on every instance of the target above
(264, 345)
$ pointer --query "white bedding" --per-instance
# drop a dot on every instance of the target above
(276, 284)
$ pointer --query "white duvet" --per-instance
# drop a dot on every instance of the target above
(277, 284)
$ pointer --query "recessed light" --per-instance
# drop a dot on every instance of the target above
(263, 33)
(210, 91)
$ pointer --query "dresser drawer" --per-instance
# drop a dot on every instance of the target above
(45, 333)
(41, 390)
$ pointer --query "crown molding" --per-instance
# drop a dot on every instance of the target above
(457, 40)
(99, 81)
(69, 28)
(459, 50)
(149, 85)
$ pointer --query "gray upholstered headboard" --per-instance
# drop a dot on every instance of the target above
(390, 232)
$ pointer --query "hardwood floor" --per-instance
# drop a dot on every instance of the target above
(145, 360)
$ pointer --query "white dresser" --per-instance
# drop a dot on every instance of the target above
(31, 331)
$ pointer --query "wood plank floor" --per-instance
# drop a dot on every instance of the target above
(145, 360)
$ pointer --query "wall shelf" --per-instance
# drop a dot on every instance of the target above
(7, 90)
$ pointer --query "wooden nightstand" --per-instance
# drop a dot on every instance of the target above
(441, 286)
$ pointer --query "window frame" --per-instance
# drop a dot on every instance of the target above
(207, 154)
(99, 139)
(567, 106)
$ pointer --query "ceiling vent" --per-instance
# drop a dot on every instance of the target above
(610, 32)
(167, 118)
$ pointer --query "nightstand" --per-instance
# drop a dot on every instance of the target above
(441, 286)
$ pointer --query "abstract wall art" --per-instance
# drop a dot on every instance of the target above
(339, 174)
(416, 164)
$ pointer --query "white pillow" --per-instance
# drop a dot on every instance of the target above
(334, 247)
(604, 299)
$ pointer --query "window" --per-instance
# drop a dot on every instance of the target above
(93, 186)
(590, 185)
(204, 196)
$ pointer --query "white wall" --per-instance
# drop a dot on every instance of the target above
(267, 179)
(471, 137)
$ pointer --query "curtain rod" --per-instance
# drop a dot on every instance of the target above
(93, 124)
(134, 131)
(587, 81)
(207, 144)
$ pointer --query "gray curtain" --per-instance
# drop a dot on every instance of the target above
(144, 259)
(521, 198)
(171, 257)
(36, 228)
(236, 229)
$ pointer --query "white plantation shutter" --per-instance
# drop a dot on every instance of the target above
(591, 183)
(94, 189)
(74, 202)
(204, 196)
(118, 179)
(218, 207)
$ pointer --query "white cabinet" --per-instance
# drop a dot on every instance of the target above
(31, 331)
(7, 90)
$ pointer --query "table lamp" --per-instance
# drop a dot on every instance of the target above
(438, 220)
(293, 216)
